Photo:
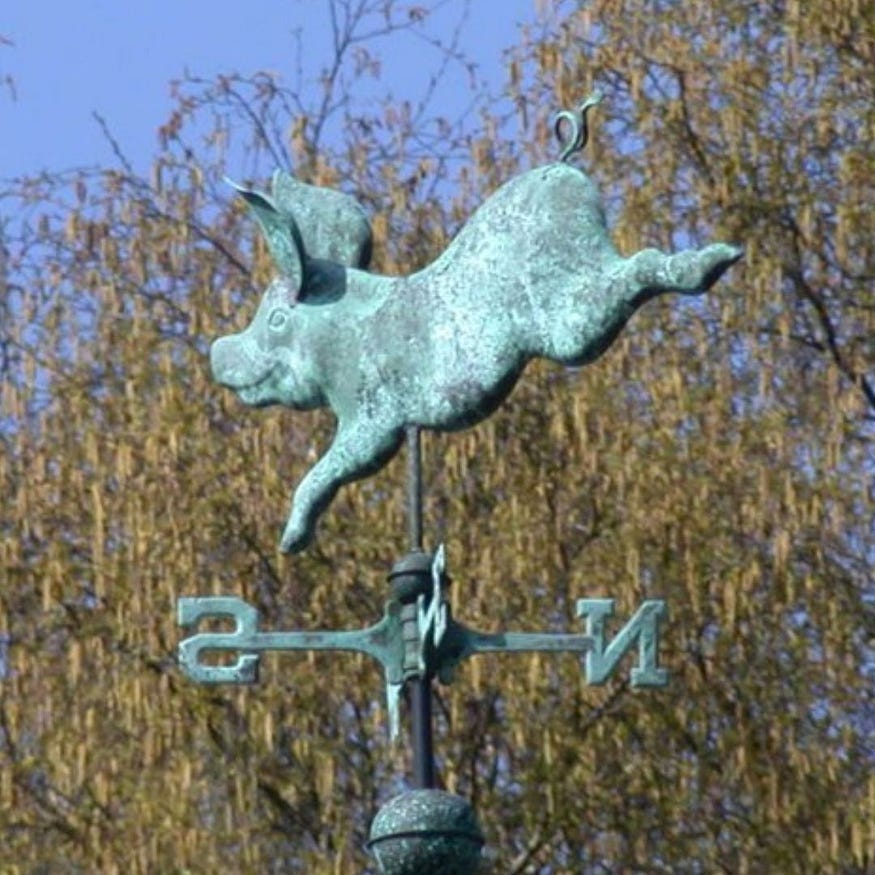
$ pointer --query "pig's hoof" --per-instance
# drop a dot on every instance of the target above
(295, 537)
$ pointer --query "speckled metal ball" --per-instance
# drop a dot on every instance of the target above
(426, 832)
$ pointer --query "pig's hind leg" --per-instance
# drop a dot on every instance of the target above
(355, 452)
(692, 271)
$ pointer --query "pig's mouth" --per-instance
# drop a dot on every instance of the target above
(249, 393)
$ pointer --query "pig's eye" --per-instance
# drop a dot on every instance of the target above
(277, 319)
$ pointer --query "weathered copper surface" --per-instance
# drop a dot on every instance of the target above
(427, 832)
(532, 273)
(418, 637)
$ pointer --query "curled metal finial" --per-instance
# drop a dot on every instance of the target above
(576, 119)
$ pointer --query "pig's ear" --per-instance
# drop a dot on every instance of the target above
(281, 233)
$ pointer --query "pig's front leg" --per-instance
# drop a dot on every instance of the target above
(355, 452)
(651, 272)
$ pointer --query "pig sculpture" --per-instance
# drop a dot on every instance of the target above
(532, 273)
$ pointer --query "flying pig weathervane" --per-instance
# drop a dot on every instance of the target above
(533, 273)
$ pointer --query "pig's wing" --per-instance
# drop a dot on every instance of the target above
(333, 225)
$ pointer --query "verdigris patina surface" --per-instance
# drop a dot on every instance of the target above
(532, 273)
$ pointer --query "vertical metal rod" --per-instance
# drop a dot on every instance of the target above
(423, 743)
(420, 687)
(414, 487)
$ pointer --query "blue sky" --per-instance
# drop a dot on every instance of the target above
(71, 59)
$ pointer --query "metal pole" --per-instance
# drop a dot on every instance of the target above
(414, 487)
(420, 687)
(423, 744)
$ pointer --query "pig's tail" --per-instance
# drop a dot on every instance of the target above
(577, 128)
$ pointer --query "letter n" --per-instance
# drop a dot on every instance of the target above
(644, 626)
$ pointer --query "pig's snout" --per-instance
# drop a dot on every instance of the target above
(233, 364)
